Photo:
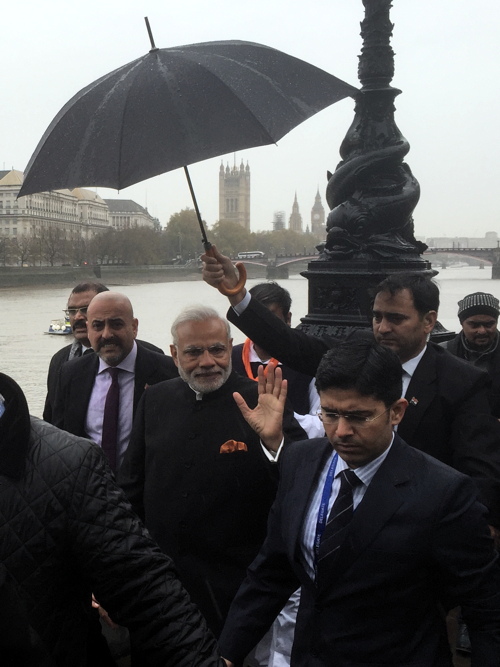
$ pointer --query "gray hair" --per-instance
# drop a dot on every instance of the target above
(196, 313)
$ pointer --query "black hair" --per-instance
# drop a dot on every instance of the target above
(271, 292)
(89, 287)
(364, 366)
(424, 291)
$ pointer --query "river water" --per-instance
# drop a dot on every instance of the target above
(25, 351)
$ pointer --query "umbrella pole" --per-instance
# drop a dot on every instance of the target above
(228, 291)
(206, 243)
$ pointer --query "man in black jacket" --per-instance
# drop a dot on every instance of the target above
(76, 311)
(201, 475)
(248, 356)
(478, 341)
(84, 383)
(448, 416)
(381, 537)
(67, 531)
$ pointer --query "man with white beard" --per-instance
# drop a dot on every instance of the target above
(201, 464)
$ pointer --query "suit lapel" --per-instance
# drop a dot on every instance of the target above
(302, 488)
(420, 394)
(381, 500)
(82, 383)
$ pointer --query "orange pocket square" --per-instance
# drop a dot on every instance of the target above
(233, 446)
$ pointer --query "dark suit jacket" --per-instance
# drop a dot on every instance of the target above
(76, 380)
(418, 543)
(206, 509)
(56, 363)
(448, 415)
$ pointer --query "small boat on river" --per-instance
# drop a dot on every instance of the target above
(60, 327)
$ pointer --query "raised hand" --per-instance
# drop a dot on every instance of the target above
(266, 418)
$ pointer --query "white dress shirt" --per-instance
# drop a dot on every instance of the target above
(409, 367)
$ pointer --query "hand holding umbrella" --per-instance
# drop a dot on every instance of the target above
(219, 271)
(211, 251)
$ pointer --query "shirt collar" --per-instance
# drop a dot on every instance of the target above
(410, 365)
(254, 357)
(77, 350)
(367, 472)
(199, 395)
(127, 364)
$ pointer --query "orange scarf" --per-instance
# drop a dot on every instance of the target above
(246, 360)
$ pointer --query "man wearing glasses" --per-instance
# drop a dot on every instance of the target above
(201, 474)
(76, 311)
(382, 538)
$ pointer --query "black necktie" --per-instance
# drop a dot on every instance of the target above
(109, 439)
(340, 515)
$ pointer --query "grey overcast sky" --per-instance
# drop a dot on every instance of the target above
(447, 65)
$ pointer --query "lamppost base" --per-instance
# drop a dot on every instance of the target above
(341, 292)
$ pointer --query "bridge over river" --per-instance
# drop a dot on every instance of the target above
(278, 267)
(483, 255)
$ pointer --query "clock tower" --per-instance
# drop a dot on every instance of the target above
(318, 217)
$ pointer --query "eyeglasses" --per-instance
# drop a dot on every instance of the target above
(218, 350)
(71, 312)
(356, 421)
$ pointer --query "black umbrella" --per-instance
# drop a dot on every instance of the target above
(173, 107)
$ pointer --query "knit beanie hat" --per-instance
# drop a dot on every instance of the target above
(479, 303)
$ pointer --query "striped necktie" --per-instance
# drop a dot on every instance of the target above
(340, 515)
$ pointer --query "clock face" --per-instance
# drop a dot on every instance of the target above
(316, 216)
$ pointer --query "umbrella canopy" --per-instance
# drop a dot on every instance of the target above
(174, 107)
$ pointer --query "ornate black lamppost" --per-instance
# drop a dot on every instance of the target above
(371, 196)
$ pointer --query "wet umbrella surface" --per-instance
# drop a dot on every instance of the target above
(173, 107)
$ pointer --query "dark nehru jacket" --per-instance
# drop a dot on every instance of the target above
(206, 509)
(448, 415)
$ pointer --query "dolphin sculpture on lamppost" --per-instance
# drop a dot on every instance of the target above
(371, 194)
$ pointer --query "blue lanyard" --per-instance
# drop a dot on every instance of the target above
(323, 508)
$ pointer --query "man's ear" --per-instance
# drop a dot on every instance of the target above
(289, 319)
(430, 319)
(173, 353)
(135, 326)
(398, 410)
